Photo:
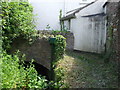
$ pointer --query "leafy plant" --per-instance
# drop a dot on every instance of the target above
(17, 20)
(59, 72)
(60, 45)
(17, 76)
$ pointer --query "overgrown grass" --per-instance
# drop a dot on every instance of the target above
(85, 70)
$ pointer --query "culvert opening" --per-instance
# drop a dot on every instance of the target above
(40, 69)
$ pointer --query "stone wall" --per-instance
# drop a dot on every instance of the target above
(40, 50)
(69, 40)
(112, 29)
(118, 45)
(68, 35)
(113, 18)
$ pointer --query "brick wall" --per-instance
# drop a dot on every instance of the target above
(69, 40)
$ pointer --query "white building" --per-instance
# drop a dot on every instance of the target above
(47, 11)
(85, 18)
(88, 25)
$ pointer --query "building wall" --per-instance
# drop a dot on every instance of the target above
(113, 13)
(74, 4)
(118, 40)
(47, 11)
(89, 33)
(113, 18)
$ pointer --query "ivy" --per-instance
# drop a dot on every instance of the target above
(17, 21)
(60, 45)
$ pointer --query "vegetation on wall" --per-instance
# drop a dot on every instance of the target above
(109, 48)
(17, 20)
(57, 32)
(60, 45)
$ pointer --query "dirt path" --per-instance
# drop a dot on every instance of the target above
(84, 70)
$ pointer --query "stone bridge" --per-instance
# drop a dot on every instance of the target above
(40, 50)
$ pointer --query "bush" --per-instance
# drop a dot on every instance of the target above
(60, 45)
(17, 20)
(17, 76)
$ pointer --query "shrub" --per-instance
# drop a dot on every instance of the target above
(60, 45)
(17, 76)
(17, 20)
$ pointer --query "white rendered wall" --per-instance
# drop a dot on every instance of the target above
(47, 11)
(89, 33)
